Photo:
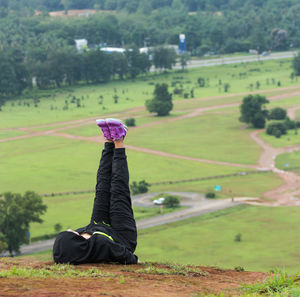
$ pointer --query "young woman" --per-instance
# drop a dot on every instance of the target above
(111, 235)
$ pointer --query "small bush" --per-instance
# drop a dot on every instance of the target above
(238, 237)
(140, 187)
(171, 201)
(276, 129)
(210, 195)
(57, 227)
(130, 122)
(277, 113)
(177, 91)
(201, 82)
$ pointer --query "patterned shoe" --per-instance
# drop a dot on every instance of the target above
(117, 128)
(104, 128)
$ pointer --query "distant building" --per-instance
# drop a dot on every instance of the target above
(253, 51)
(113, 50)
(81, 44)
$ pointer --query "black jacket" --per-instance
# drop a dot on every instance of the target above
(105, 245)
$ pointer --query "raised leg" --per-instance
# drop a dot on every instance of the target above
(121, 214)
(102, 199)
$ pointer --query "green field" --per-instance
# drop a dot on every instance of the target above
(293, 159)
(269, 239)
(210, 136)
(52, 164)
(11, 133)
(74, 211)
(289, 139)
(134, 93)
(253, 185)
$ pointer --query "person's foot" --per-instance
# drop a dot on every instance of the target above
(117, 129)
(104, 128)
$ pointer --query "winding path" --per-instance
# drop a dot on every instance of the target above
(283, 195)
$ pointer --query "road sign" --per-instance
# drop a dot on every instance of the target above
(217, 188)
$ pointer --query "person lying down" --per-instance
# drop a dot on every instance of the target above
(111, 235)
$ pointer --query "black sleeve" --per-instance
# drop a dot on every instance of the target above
(121, 254)
(106, 250)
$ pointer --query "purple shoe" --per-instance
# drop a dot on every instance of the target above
(117, 128)
(104, 128)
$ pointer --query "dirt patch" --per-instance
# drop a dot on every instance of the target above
(121, 280)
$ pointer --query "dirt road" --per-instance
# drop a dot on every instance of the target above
(287, 194)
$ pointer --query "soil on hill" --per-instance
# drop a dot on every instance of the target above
(147, 279)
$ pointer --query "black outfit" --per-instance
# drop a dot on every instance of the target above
(112, 225)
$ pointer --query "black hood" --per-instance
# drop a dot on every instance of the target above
(70, 248)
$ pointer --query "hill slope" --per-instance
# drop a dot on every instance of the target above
(20, 277)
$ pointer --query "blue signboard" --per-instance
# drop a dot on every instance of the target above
(182, 47)
(217, 188)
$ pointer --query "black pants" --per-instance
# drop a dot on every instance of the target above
(112, 203)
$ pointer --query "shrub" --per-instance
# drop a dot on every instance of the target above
(289, 124)
(201, 82)
(276, 129)
(130, 122)
(140, 187)
(238, 237)
(277, 113)
(210, 195)
(177, 91)
(171, 201)
(57, 227)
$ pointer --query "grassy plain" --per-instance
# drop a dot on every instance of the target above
(11, 133)
(134, 93)
(54, 164)
(210, 136)
(253, 185)
(293, 159)
(289, 139)
(49, 164)
(74, 211)
(269, 239)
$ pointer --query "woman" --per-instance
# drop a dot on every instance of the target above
(111, 235)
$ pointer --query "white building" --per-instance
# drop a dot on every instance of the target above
(81, 44)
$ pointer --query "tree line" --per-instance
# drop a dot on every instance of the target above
(54, 67)
(221, 26)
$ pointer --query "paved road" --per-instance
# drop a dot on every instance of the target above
(196, 205)
(240, 59)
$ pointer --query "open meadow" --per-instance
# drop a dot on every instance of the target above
(55, 146)
(256, 238)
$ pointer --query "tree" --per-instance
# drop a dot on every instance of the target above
(16, 214)
(3, 245)
(277, 113)
(164, 58)
(276, 129)
(140, 187)
(296, 64)
(171, 201)
(137, 62)
(162, 101)
(279, 39)
(184, 58)
(252, 110)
